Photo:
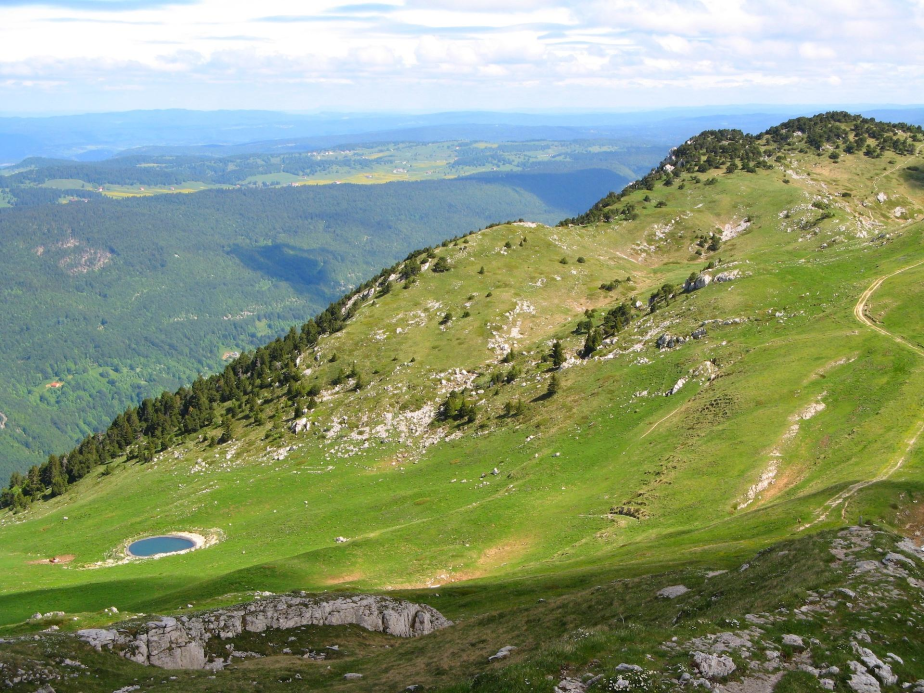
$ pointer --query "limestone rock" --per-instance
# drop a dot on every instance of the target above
(673, 591)
(502, 653)
(727, 276)
(180, 644)
(876, 665)
(861, 681)
(299, 425)
(793, 641)
(669, 341)
(699, 282)
(713, 666)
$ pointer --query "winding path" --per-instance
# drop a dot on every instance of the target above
(859, 312)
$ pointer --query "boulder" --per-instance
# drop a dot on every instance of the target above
(861, 681)
(876, 665)
(793, 641)
(299, 425)
(673, 591)
(502, 653)
(699, 282)
(713, 666)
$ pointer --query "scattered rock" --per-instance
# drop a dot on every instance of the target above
(628, 667)
(352, 677)
(793, 641)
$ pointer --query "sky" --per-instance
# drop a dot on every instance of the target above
(441, 55)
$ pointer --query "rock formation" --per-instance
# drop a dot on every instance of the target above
(180, 643)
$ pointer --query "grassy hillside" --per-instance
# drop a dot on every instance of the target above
(119, 300)
(471, 464)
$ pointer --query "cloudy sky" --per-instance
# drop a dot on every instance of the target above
(91, 55)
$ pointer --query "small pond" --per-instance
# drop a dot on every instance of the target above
(155, 545)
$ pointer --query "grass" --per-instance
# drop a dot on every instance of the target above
(427, 518)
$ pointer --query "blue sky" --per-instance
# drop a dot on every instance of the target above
(302, 55)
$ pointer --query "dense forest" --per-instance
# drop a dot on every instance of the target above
(107, 302)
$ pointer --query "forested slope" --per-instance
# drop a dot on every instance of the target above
(106, 302)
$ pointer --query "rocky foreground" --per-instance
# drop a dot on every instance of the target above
(181, 643)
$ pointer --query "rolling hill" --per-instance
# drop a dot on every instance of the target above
(709, 382)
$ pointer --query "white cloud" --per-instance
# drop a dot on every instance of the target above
(588, 53)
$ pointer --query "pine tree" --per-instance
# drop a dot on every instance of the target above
(554, 385)
(557, 355)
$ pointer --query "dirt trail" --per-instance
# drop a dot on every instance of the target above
(859, 312)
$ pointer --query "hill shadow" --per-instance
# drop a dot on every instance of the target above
(913, 176)
(305, 270)
(572, 192)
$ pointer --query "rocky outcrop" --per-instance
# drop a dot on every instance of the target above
(172, 643)
(728, 276)
(669, 341)
(700, 281)
(712, 666)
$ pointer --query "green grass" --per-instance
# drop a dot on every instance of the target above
(427, 518)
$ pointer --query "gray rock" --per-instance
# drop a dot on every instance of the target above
(172, 644)
(727, 276)
(570, 686)
(793, 641)
(352, 677)
(827, 684)
(699, 282)
(713, 666)
(673, 591)
(299, 425)
(669, 341)
(628, 667)
(893, 557)
(861, 681)
(876, 665)
(502, 653)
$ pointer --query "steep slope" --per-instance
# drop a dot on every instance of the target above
(120, 300)
(447, 439)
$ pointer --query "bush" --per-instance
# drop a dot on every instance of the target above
(441, 265)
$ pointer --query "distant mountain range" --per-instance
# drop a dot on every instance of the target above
(97, 136)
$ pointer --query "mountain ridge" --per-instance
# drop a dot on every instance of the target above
(690, 382)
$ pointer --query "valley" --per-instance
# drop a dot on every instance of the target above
(709, 381)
